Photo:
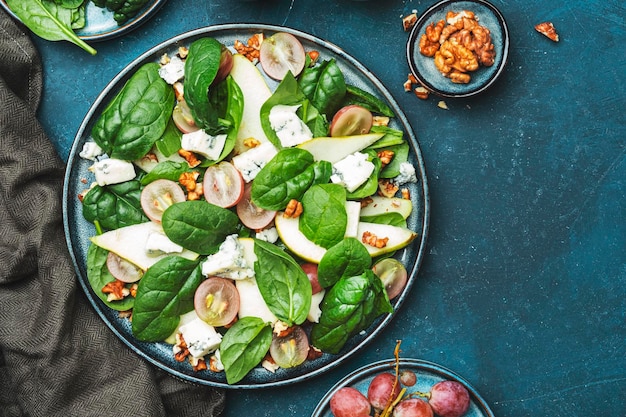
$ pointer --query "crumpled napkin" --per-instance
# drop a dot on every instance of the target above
(57, 357)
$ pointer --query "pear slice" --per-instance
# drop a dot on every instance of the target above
(251, 303)
(383, 205)
(255, 92)
(399, 237)
(353, 210)
(130, 243)
(289, 232)
(334, 149)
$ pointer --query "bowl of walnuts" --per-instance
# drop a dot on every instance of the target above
(458, 48)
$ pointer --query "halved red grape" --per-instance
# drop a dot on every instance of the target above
(250, 214)
(122, 269)
(226, 64)
(290, 350)
(381, 390)
(349, 402)
(310, 270)
(449, 399)
(393, 275)
(412, 407)
(182, 117)
(223, 185)
(157, 196)
(351, 120)
(216, 301)
(280, 53)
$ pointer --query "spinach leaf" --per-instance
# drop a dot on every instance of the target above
(321, 203)
(201, 66)
(371, 185)
(169, 170)
(137, 116)
(282, 282)
(227, 98)
(114, 206)
(347, 258)
(391, 218)
(391, 137)
(351, 305)
(69, 4)
(286, 176)
(169, 142)
(324, 85)
(244, 346)
(45, 23)
(98, 276)
(164, 293)
(198, 225)
(355, 95)
(400, 155)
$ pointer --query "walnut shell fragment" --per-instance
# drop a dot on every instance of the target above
(547, 29)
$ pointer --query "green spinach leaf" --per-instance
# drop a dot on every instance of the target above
(169, 170)
(201, 66)
(355, 95)
(347, 258)
(391, 137)
(351, 305)
(169, 142)
(400, 155)
(391, 218)
(198, 225)
(164, 293)
(244, 346)
(114, 206)
(40, 16)
(324, 85)
(282, 282)
(137, 116)
(98, 276)
(286, 176)
(321, 203)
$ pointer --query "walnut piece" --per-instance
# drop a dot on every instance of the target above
(116, 290)
(293, 209)
(547, 29)
(251, 49)
(190, 157)
(409, 21)
(371, 239)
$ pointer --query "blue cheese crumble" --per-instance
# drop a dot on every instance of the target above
(112, 171)
(173, 71)
(406, 175)
(250, 162)
(90, 151)
(204, 144)
(352, 171)
(201, 338)
(289, 128)
(228, 262)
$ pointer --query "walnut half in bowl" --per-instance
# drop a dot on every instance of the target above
(458, 48)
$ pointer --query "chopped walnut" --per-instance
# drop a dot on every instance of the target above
(547, 29)
(429, 42)
(442, 105)
(371, 239)
(269, 364)
(385, 156)
(313, 56)
(133, 290)
(387, 188)
(251, 49)
(215, 365)
(421, 92)
(165, 59)
(126, 314)
(183, 51)
(198, 364)
(179, 91)
(150, 157)
(188, 180)
(366, 202)
(251, 142)
(406, 193)
(116, 290)
(294, 209)
(380, 121)
(313, 353)
(409, 21)
(190, 157)
(181, 352)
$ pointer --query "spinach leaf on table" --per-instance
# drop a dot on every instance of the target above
(98, 276)
(349, 306)
(137, 116)
(287, 176)
(282, 283)
(164, 293)
(201, 67)
(324, 218)
(347, 258)
(244, 346)
(198, 225)
(41, 17)
(114, 206)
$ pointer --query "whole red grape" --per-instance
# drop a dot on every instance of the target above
(349, 402)
(449, 399)
(381, 389)
(413, 407)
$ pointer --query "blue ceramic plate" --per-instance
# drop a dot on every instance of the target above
(99, 22)
(428, 374)
(423, 67)
(78, 230)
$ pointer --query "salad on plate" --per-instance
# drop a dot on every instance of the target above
(247, 201)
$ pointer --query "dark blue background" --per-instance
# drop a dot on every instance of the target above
(523, 287)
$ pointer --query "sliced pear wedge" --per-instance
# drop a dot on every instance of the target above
(255, 92)
(399, 237)
(383, 205)
(334, 149)
(289, 232)
(130, 243)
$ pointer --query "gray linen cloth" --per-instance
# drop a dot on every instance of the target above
(57, 357)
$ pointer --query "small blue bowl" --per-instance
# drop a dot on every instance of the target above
(423, 67)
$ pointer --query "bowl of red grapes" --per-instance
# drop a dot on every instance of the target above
(402, 387)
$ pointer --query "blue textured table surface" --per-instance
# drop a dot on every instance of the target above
(523, 287)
